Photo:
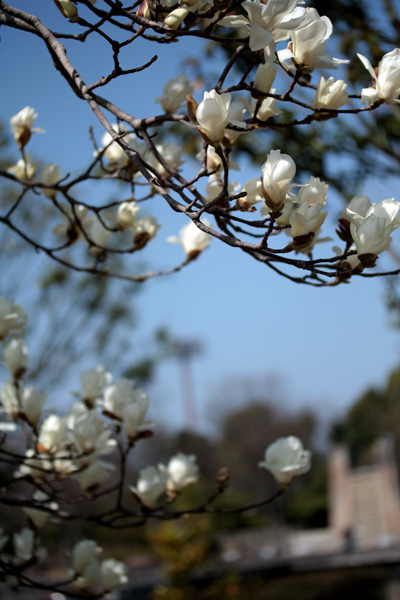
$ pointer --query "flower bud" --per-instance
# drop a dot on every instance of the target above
(286, 459)
(16, 358)
(175, 18)
(277, 174)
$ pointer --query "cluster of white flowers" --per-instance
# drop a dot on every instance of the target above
(89, 573)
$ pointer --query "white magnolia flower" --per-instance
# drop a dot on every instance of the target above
(144, 230)
(176, 16)
(235, 115)
(174, 93)
(265, 77)
(67, 8)
(32, 405)
(357, 209)
(151, 484)
(36, 516)
(277, 174)
(16, 357)
(89, 576)
(267, 22)
(313, 192)
(371, 237)
(171, 154)
(305, 220)
(51, 434)
(182, 470)
(33, 467)
(386, 83)
(25, 168)
(50, 175)
(113, 573)
(307, 47)
(88, 432)
(212, 115)
(97, 233)
(213, 189)
(388, 210)
(126, 214)
(9, 399)
(83, 553)
(114, 153)
(133, 415)
(93, 382)
(192, 239)
(286, 459)
(331, 93)
(253, 189)
(22, 125)
(73, 220)
(94, 475)
(23, 546)
(262, 109)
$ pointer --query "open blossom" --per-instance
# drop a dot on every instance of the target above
(51, 434)
(93, 382)
(25, 168)
(133, 415)
(93, 475)
(16, 357)
(112, 150)
(286, 459)
(212, 115)
(182, 470)
(97, 233)
(386, 83)
(151, 484)
(113, 573)
(171, 154)
(306, 220)
(83, 553)
(144, 230)
(313, 192)
(267, 22)
(126, 214)
(12, 316)
(254, 193)
(357, 209)
(388, 210)
(371, 238)
(331, 93)
(262, 110)
(277, 174)
(32, 404)
(22, 125)
(174, 93)
(307, 48)
(192, 239)
(50, 175)
(127, 404)
(88, 432)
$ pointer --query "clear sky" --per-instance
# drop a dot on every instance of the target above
(327, 345)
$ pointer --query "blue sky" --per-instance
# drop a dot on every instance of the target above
(326, 345)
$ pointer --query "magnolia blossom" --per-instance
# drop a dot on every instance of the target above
(357, 209)
(93, 475)
(73, 219)
(112, 150)
(212, 115)
(182, 470)
(307, 48)
(93, 382)
(9, 399)
(174, 93)
(97, 233)
(38, 518)
(371, 237)
(25, 168)
(305, 220)
(113, 573)
(50, 175)
(265, 77)
(23, 546)
(192, 239)
(388, 210)
(262, 109)
(286, 459)
(144, 230)
(22, 125)
(386, 83)
(16, 357)
(32, 405)
(267, 22)
(331, 93)
(171, 154)
(83, 553)
(12, 316)
(67, 8)
(253, 189)
(151, 484)
(133, 415)
(313, 192)
(88, 432)
(51, 433)
(126, 214)
(127, 404)
(277, 174)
